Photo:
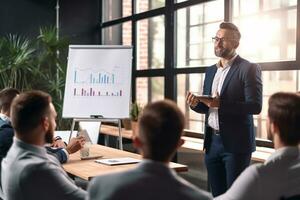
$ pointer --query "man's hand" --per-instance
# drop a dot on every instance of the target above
(212, 103)
(58, 142)
(192, 100)
(75, 144)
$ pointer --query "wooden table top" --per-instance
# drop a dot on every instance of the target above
(87, 169)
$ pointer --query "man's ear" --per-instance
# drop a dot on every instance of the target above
(45, 123)
(137, 143)
(180, 143)
(236, 45)
(274, 128)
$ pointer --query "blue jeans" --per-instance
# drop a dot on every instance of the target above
(223, 167)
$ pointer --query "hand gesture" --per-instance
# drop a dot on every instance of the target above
(75, 144)
(192, 100)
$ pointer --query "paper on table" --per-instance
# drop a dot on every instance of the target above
(118, 161)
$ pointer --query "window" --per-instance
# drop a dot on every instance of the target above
(172, 46)
(117, 34)
(145, 5)
(149, 90)
(268, 29)
(150, 43)
(196, 25)
(115, 9)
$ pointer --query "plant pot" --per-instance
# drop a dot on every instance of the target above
(134, 127)
(126, 123)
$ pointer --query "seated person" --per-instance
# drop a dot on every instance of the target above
(28, 172)
(58, 149)
(160, 130)
(279, 177)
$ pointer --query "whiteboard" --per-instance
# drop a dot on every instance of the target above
(98, 81)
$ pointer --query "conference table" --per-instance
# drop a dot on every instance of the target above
(87, 169)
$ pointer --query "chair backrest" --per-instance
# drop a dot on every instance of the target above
(295, 197)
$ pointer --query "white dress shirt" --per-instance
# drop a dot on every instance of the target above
(213, 118)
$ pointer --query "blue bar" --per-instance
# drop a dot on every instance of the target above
(91, 78)
(99, 77)
(113, 79)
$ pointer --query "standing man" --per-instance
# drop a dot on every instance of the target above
(236, 87)
(160, 130)
(28, 172)
(279, 176)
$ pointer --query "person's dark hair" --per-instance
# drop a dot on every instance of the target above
(160, 128)
(284, 112)
(28, 109)
(6, 97)
(232, 27)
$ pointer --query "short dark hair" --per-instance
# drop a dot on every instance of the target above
(6, 97)
(160, 128)
(232, 27)
(284, 112)
(28, 109)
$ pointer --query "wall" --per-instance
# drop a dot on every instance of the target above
(79, 19)
(24, 17)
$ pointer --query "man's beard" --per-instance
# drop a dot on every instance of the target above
(49, 136)
(223, 52)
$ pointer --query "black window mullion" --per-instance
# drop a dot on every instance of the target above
(298, 35)
(228, 10)
(133, 40)
(170, 79)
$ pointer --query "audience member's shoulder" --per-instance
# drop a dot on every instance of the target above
(31, 167)
(193, 192)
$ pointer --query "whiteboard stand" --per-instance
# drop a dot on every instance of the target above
(118, 121)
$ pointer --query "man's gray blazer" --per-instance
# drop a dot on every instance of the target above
(278, 177)
(29, 173)
(149, 181)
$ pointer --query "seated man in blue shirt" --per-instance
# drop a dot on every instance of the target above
(28, 172)
(58, 148)
(279, 176)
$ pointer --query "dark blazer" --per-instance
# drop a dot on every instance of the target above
(149, 181)
(6, 140)
(240, 98)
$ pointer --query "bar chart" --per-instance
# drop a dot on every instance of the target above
(98, 81)
(96, 92)
(93, 77)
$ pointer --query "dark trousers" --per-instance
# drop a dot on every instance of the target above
(223, 167)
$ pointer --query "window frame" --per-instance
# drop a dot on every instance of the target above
(170, 71)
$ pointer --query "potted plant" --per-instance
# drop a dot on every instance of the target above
(135, 111)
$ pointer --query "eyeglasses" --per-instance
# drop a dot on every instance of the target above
(217, 39)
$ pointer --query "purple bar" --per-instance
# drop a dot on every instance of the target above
(74, 91)
(120, 92)
(82, 91)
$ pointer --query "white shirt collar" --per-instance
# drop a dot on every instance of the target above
(228, 64)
